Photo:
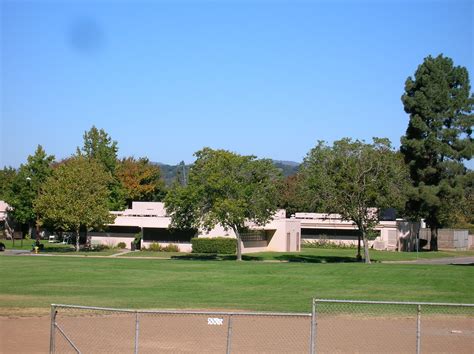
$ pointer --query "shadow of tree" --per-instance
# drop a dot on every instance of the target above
(214, 257)
(63, 249)
(315, 259)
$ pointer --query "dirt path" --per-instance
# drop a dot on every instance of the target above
(96, 333)
(24, 334)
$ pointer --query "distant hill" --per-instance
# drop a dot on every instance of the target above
(170, 172)
(287, 168)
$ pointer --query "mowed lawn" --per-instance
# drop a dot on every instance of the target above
(36, 282)
(311, 255)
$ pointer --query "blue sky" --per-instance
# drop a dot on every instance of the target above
(165, 79)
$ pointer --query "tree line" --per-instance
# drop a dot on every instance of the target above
(425, 178)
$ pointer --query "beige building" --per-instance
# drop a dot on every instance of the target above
(151, 220)
(397, 234)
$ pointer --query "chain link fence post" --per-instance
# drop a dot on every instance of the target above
(312, 346)
(418, 329)
(229, 335)
(137, 331)
(52, 334)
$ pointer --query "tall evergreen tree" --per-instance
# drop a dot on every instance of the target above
(438, 138)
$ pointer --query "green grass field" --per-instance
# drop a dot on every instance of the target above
(311, 255)
(36, 282)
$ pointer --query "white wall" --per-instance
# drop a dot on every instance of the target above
(112, 241)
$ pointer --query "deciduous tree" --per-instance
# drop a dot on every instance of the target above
(227, 189)
(355, 180)
(141, 180)
(75, 196)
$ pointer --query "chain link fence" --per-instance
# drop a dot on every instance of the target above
(79, 329)
(392, 327)
(334, 326)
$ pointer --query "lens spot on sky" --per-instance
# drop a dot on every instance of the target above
(86, 36)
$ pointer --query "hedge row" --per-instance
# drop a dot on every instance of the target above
(220, 245)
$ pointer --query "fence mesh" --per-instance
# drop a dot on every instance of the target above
(352, 327)
(333, 327)
(86, 330)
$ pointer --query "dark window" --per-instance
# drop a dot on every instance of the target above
(332, 234)
(168, 235)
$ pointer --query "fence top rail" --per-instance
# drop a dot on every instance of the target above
(185, 312)
(391, 302)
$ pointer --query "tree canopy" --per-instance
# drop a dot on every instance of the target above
(438, 139)
(75, 196)
(26, 185)
(356, 180)
(141, 180)
(99, 146)
(227, 189)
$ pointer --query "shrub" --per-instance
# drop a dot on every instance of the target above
(170, 248)
(121, 245)
(99, 247)
(154, 247)
(221, 245)
(137, 241)
(326, 244)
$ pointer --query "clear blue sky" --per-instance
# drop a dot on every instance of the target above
(165, 79)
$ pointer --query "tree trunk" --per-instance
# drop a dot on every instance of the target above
(239, 245)
(434, 239)
(77, 240)
(366, 247)
(88, 240)
(358, 256)
(30, 230)
(37, 229)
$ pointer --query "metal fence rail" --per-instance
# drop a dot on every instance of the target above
(332, 326)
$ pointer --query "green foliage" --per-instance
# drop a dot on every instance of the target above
(138, 239)
(75, 197)
(438, 139)
(154, 247)
(325, 244)
(292, 196)
(7, 176)
(26, 185)
(99, 146)
(99, 247)
(121, 245)
(227, 189)
(355, 179)
(215, 245)
(170, 248)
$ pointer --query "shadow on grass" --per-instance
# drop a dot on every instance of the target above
(214, 257)
(66, 249)
(463, 264)
(315, 259)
